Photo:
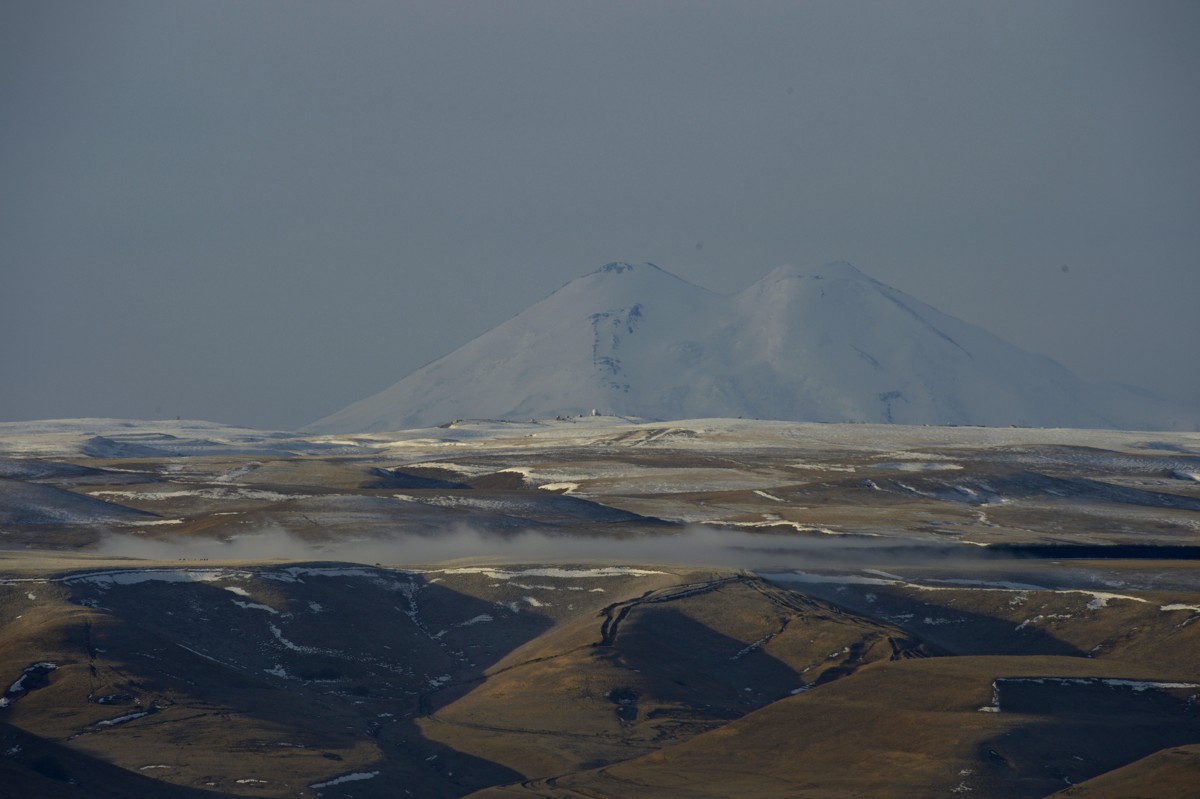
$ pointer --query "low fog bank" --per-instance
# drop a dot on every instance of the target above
(695, 546)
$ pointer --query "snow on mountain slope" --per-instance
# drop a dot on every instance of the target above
(596, 340)
(829, 344)
(835, 345)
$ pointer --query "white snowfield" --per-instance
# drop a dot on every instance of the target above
(829, 344)
(904, 448)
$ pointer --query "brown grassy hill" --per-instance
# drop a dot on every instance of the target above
(909, 728)
(655, 670)
(1170, 772)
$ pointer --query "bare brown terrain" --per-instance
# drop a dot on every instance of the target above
(593, 608)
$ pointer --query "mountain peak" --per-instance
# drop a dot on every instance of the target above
(823, 344)
(635, 282)
(618, 267)
(834, 270)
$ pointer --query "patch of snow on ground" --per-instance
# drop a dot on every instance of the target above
(496, 505)
(122, 719)
(355, 777)
(566, 488)
(777, 522)
(202, 493)
(1005, 584)
(765, 495)
(752, 647)
(278, 633)
(570, 574)
(1144, 685)
(1177, 606)
(822, 467)
(1099, 599)
(909, 455)
(236, 472)
(255, 606)
(233, 589)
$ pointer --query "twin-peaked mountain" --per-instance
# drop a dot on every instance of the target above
(829, 345)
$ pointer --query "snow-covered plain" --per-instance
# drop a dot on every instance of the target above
(446, 447)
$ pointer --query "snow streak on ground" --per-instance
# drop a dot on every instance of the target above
(502, 574)
(355, 777)
(1099, 599)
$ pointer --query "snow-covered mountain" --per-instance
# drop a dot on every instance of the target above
(829, 344)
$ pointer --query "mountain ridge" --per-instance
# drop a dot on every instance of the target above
(829, 344)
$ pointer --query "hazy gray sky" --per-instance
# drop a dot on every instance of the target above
(256, 213)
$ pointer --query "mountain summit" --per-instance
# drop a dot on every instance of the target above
(828, 344)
